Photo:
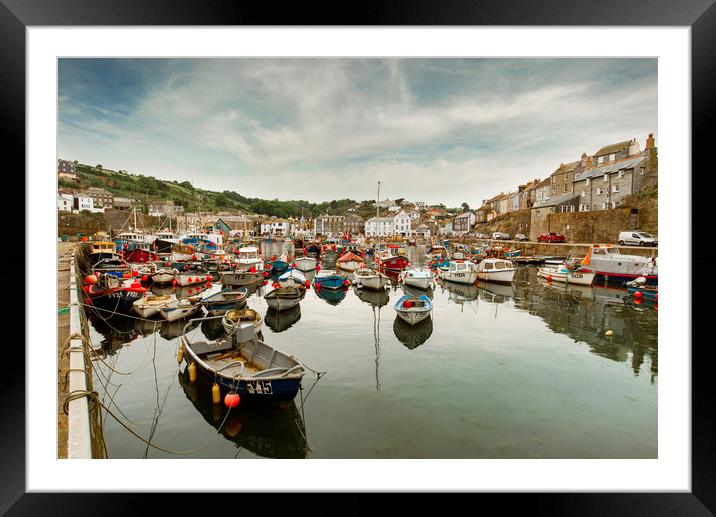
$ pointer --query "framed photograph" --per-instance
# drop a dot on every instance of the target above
(418, 254)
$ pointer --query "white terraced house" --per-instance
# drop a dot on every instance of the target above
(379, 227)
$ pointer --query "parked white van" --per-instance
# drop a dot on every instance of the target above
(637, 238)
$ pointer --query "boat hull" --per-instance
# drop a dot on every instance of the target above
(239, 278)
(575, 277)
(163, 277)
(177, 313)
(413, 318)
(502, 276)
(459, 277)
(603, 277)
(306, 263)
(372, 282)
(394, 263)
(330, 282)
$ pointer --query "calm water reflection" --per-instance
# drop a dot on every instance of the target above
(523, 371)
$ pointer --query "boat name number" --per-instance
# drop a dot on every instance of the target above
(576, 275)
(259, 387)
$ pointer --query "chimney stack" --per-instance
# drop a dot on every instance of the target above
(650, 141)
(585, 159)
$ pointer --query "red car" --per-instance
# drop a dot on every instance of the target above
(551, 237)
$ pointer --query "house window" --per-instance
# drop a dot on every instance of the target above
(621, 174)
(584, 193)
(612, 157)
(600, 192)
(565, 187)
(588, 181)
(604, 206)
(554, 189)
(600, 159)
(615, 188)
(606, 177)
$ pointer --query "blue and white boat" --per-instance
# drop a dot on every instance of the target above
(280, 264)
(243, 364)
(292, 277)
(329, 279)
(413, 310)
(225, 300)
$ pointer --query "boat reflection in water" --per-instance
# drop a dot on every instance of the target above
(586, 314)
(212, 329)
(332, 296)
(116, 331)
(162, 289)
(495, 293)
(270, 432)
(173, 329)
(278, 321)
(375, 298)
(412, 336)
(459, 293)
(147, 327)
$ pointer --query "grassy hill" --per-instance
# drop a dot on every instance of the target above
(147, 188)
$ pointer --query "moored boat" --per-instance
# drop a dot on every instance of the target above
(639, 289)
(413, 310)
(422, 278)
(305, 263)
(459, 272)
(563, 273)
(350, 262)
(283, 298)
(249, 259)
(239, 278)
(149, 305)
(292, 277)
(370, 279)
(496, 270)
(181, 308)
(610, 265)
(242, 363)
(185, 278)
(329, 279)
(164, 275)
(232, 319)
(225, 300)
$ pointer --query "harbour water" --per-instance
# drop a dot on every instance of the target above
(521, 371)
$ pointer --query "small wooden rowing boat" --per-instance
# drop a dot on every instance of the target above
(244, 364)
(148, 306)
(181, 308)
(225, 300)
(283, 298)
(562, 273)
(232, 319)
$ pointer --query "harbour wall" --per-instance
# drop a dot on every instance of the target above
(85, 223)
(598, 226)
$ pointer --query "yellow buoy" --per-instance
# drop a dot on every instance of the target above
(192, 372)
(215, 394)
(609, 333)
(180, 354)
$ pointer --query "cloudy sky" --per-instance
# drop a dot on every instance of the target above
(435, 130)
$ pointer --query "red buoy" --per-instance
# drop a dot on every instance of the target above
(90, 279)
(145, 278)
(346, 282)
(190, 280)
(637, 294)
(265, 282)
(266, 274)
(231, 400)
(656, 296)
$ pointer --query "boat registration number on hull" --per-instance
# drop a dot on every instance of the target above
(259, 387)
(577, 275)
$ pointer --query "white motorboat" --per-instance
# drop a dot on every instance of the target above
(609, 264)
(496, 270)
(305, 263)
(181, 308)
(148, 306)
(370, 279)
(422, 278)
(460, 272)
(563, 273)
(249, 258)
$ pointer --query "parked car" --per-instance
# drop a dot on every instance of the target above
(551, 237)
(637, 238)
(521, 237)
(501, 236)
(481, 236)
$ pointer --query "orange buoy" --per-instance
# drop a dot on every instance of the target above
(231, 400)
(192, 372)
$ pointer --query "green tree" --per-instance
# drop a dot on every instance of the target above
(465, 207)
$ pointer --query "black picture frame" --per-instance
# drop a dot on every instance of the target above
(700, 15)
